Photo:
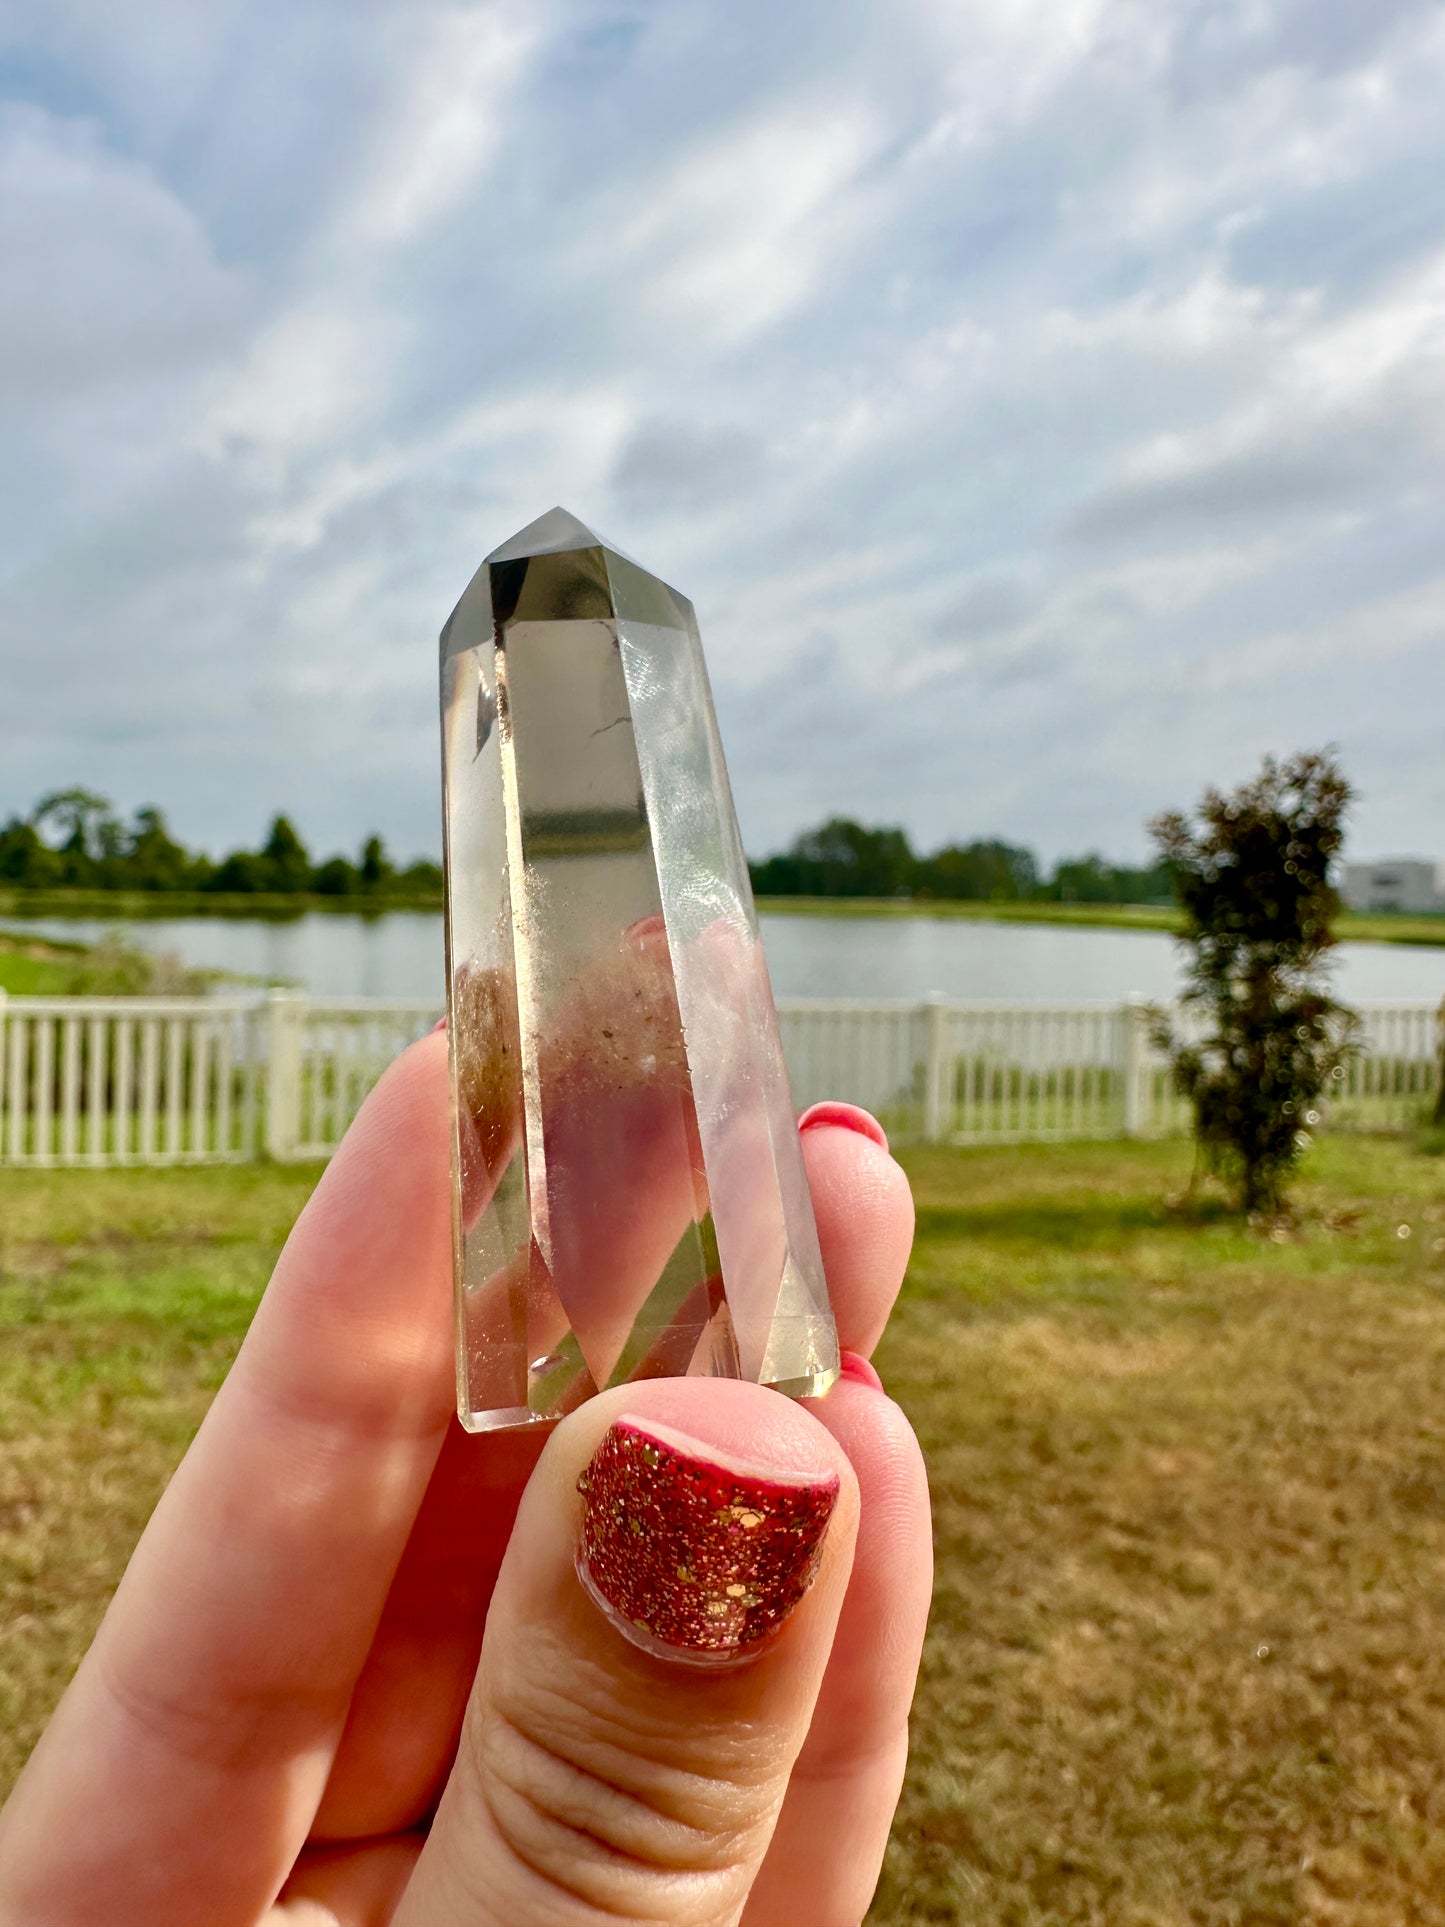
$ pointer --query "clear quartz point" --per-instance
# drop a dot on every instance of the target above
(628, 1192)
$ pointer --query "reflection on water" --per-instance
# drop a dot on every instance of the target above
(400, 955)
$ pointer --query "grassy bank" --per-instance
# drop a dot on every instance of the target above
(1187, 1660)
(1351, 928)
(1110, 916)
(114, 967)
(35, 967)
(129, 905)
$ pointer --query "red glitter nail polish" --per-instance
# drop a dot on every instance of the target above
(691, 1559)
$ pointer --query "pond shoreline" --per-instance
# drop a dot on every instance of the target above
(125, 906)
(810, 955)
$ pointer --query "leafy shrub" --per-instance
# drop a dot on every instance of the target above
(1252, 875)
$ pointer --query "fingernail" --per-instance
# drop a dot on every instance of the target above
(690, 1558)
(847, 1117)
(440, 1024)
(855, 1366)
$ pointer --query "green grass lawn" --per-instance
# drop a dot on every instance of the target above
(31, 967)
(1187, 1659)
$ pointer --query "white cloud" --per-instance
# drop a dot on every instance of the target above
(1319, 408)
(312, 375)
(461, 68)
(1084, 618)
(1376, 633)
(108, 276)
(1401, 333)
(1004, 63)
(739, 231)
(1212, 317)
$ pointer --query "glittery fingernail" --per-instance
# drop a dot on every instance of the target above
(692, 1559)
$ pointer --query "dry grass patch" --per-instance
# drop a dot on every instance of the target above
(1187, 1662)
(123, 1297)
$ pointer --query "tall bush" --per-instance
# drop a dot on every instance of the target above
(1251, 872)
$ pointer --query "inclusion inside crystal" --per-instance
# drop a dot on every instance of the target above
(629, 1197)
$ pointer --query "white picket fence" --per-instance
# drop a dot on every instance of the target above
(152, 1080)
(114, 1081)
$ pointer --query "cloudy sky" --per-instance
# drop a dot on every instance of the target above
(1041, 400)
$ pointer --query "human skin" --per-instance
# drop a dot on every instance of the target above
(291, 1713)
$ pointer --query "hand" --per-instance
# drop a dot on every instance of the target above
(290, 1713)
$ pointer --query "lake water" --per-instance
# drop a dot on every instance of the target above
(400, 955)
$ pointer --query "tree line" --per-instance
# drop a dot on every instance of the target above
(842, 858)
(73, 839)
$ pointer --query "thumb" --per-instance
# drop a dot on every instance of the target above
(653, 1652)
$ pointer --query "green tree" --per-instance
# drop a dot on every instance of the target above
(26, 859)
(1093, 879)
(1252, 875)
(84, 828)
(152, 858)
(422, 878)
(840, 858)
(376, 867)
(280, 865)
(983, 871)
(288, 867)
(242, 873)
(75, 816)
(1084, 879)
(336, 877)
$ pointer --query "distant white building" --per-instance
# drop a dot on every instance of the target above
(1397, 883)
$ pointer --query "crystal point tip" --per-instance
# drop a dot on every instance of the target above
(551, 534)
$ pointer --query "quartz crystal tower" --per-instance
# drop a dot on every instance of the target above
(628, 1193)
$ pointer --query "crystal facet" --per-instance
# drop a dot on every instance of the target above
(628, 1192)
